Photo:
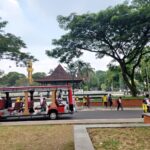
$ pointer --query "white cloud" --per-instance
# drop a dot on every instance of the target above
(98, 64)
(10, 11)
(35, 22)
(40, 66)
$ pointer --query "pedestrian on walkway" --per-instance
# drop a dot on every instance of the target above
(119, 103)
(88, 101)
(110, 101)
(146, 104)
(105, 100)
(77, 100)
(84, 101)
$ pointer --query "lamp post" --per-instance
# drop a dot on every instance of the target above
(73, 83)
(73, 77)
(148, 88)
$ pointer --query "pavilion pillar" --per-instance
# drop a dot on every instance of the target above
(26, 110)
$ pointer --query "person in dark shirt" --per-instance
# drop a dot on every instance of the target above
(110, 101)
(88, 101)
(119, 103)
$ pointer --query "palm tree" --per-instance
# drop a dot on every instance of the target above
(81, 69)
(87, 71)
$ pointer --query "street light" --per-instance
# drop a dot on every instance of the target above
(73, 71)
(147, 77)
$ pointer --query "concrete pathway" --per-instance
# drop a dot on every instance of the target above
(81, 121)
(105, 109)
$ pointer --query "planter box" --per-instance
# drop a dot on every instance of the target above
(130, 102)
(125, 103)
(147, 118)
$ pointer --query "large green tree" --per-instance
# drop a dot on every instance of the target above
(11, 79)
(38, 75)
(102, 77)
(121, 32)
(10, 46)
(144, 71)
(81, 69)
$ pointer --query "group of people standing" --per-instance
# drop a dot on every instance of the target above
(86, 101)
(107, 101)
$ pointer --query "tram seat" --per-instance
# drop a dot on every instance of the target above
(1, 114)
(38, 107)
(30, 104)
(2, 104)
(59, 103)
(18, 106)
(10, 109)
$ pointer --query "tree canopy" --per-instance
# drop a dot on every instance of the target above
(10, 46)
(121, 32)
(12, 78)
(38, 75)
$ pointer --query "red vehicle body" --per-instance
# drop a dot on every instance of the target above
(26, 107)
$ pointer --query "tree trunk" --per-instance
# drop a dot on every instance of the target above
(129, 80)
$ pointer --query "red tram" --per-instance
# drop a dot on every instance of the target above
(48, 101)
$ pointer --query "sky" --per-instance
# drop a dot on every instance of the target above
(35, 21)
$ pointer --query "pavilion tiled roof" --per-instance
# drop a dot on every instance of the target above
(59, 74)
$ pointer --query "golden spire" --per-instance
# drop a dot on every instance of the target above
(30, 70)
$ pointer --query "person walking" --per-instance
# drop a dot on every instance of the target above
(77, 100)
(88, 101)
(146, 104)
(119, 103)
(110, 101)
(84, 101)
(105, 100)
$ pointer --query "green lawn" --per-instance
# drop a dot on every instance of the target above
(120, 138)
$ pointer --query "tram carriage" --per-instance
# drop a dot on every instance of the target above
(57, 101)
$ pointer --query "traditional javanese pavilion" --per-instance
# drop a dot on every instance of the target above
(60, 77)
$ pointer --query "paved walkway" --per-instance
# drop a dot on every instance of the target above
(105, 109)
(74, 122)
(80, 121)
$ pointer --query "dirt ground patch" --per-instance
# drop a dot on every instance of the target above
(38, 137)
(120, 138)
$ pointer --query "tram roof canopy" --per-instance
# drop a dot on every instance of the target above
(34, 88)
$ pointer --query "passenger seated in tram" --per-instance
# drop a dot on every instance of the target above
(21, 104)
(59, 99)
(43, 104)
(2, 103)
(30, 105)
(9, 101)
(17, 99)
(17, 104)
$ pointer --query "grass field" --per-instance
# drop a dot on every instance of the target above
(120, 138)
(38, 137)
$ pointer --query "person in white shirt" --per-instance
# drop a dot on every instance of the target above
(147, 102)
